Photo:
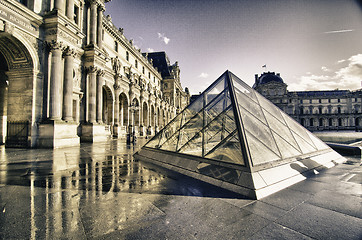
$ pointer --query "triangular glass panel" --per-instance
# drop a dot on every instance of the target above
(258, 129)
(320, 145)
(281, 129)
(287, 150)
(260, 153)
(228, 150)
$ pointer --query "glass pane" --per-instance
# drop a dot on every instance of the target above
(305, 146)
(258, 151)
(281, 129)
(211, 93)
(170, 144)
(190, 129)
(219, 129)
(258, 129)
(170, 129)
(217, 107)
(250, 106)
(286, 149)
(317, 142)
(270, 107)
(296, 127)
(194, 146)
(154, 142)
(229, 151)
(192, 110)
(243, 87)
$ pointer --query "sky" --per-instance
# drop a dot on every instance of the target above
(313, 44)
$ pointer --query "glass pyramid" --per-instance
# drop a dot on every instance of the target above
(230, 122)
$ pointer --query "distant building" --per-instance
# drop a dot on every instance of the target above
(315, 110)
(68, 74)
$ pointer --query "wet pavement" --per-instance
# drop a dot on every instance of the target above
(98, 191)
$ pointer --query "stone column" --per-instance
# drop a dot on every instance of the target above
(68, 85)
(70, 10)
(116, 108)
(93, 22)
(59, 5)
(92, 94)
(55, 96)
(100, 26)
(100, 75)
(141, 111)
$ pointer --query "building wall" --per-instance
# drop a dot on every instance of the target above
(317, 110)
(67, 63)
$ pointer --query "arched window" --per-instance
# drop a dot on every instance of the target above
(136, 63)
(330, 122)
(127, 56)
(340, 123)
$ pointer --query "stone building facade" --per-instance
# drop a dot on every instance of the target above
(316, 110)
(67, 74)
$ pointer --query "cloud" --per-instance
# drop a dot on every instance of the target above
(341, 61)
(203, 75)
(349, 77)
(325, 69)
(150, 50)
(339, 31)
(165, 39)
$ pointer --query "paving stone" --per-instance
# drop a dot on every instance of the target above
(320, 223)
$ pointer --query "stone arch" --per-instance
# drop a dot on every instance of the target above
(158, 117)
(145, 114)
(18, 78)
(123, 109)
(136, 112)
(152, 116)
(107, 105)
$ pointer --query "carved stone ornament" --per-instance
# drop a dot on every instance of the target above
(101, 73)
(69, 52)
(91, 69)
(116, 65)
(55, 45)
(117, 82)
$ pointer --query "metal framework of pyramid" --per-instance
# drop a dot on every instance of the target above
(232, 137)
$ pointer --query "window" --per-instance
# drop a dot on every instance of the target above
(143, 70)
(310, 100)
(116, 46)
(76, 13)
(320, 110)
(339, 100)
(149, 75)
(136, 63)
(25, 2)
(127, 56)
(320, 100)
(339, 110)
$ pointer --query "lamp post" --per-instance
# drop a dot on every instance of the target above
(131, 132)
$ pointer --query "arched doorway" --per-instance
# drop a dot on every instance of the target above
(18, 101)
(107, 106)
(145, 114)
(152, 116)
(123, 109)
(136, 112)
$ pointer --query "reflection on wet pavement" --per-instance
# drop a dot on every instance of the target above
(76, 192)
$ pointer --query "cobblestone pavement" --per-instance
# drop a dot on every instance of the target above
(98, 191)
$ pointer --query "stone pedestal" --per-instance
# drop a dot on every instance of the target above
(56, 134)
(94, 132)
(119, 131)
(142, 131)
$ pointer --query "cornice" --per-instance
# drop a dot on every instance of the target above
(23, 11)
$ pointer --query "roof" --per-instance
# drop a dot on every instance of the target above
(325, 93)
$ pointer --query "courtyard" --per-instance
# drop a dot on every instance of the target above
(98, 191)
